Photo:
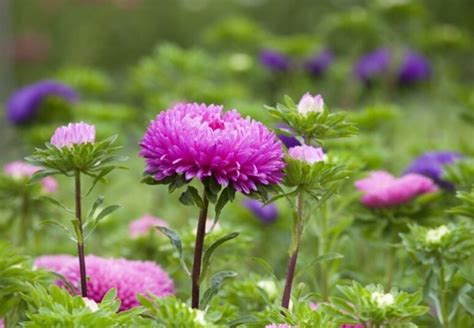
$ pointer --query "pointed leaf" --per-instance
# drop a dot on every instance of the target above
(176, 242)
(208, 252)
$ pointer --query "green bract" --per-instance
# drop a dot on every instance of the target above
(452, 242)
(93, 159)
(313, 126)
(372, 305)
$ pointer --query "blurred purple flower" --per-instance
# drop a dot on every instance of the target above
(274, 60)
(414, 68)
(266, 213)
(372, 65)
(23, 105)
(288, 141)
(130, 278)
(431, 165)
(319, 63)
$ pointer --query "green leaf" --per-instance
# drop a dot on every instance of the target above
(106, 212)
(39, 175)
(226, 195)
(191, 197)
(55, 202)
(208, 252)
(62, 226)
(321, 258)
(94, 207)
(216, 282)
(177, 244)
(100, 177)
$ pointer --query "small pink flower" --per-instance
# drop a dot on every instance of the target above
(73, 134)
(146, 223)
(309, 104)
(313, 306)
(307, 154)
(381, 189)
(19, 170)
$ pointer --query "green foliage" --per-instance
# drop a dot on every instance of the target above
(16, 277)
(467, 207)
(171, 312)
(361, 304)
(460, 173)
(85, 79)
(55, 307)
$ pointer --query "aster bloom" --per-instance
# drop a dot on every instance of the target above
(414, 68)
(143, 225)
(309, 104)
(381, 189)
(288, 141)
(274, 60)
(73, 134)
(19, 170)
(266, 213)
(373, 64)
(202, 141)
(307, 154)
(431, 164)
(24, 104)
(130, 278)
(319, 63)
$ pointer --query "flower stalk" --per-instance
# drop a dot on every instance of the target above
(198, 250)
(80, 237)
(294, 251)
(444, 295)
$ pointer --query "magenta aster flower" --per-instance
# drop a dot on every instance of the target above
(24, 104)
(307, 154)
(381, 189)
(130, 278)
(73, 134)
(141, 226)
(196, 140)
(20, 170)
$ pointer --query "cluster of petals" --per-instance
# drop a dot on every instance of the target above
(309, 103)
(307, 154)
(73, 134)
(381, 189)
(21, 170)
(200, 141)
(130, 278)
(143, 225)
(24, 104)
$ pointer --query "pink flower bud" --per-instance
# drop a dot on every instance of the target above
(307, 154)
(308, 104)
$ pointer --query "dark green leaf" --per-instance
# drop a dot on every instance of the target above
(208, 252)
(176, 242)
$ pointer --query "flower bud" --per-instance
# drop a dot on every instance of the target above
(382, 300)
(307, 154)
(308, 104)
(434, 236)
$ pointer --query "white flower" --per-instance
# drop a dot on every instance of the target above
(382, 300)
(200, 318)
(434, 236)
(308, 104)
(90, 304)
(269, 287)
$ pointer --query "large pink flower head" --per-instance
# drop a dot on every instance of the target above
(381, 189)
(196, 140)
(141, 226)
(130, 278)
(19, 170)
(73, 134)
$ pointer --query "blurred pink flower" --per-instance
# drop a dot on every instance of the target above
(141, 226)
(20, 170)
(307, 154)
(73, 134)
(130, 278)
(381, 189)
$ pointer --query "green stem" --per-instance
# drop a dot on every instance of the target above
(294, 251)
(198, 250)
(323, 249)
(444, 299)
(80, 239)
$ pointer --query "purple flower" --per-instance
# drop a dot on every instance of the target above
(266, 213)
(274, 60)
(319, 63)
(200, 141)
(130, 278)
(23, 105)
(73, 134)
(372, 65)
(141, 226)
(307, 154)
(414, 68)
(288, 141)
(20, 170)
(431, 165)
(380, 189)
